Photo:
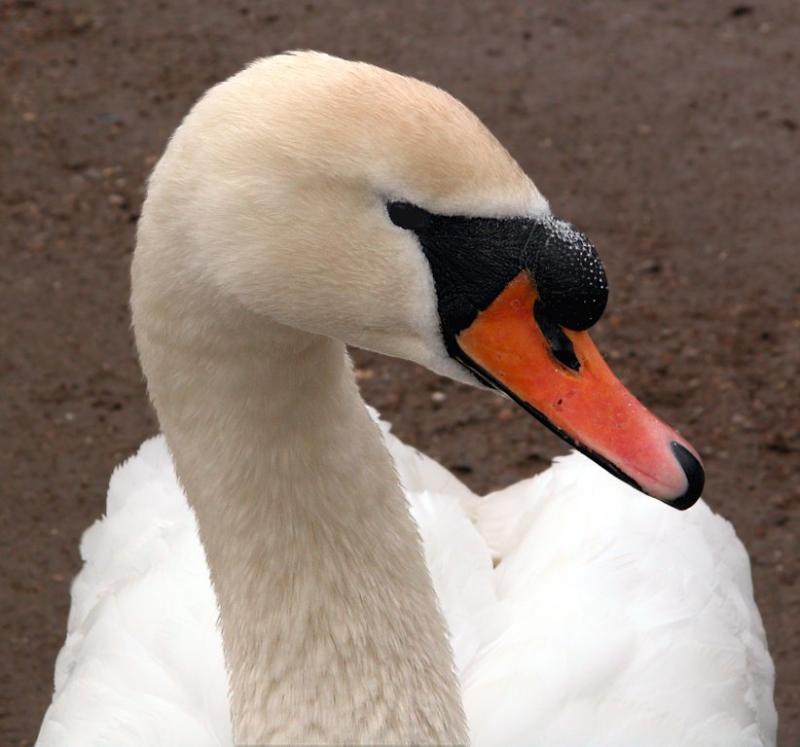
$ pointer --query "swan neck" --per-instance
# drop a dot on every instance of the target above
(330, 625)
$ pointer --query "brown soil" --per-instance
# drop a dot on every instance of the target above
(667, 131)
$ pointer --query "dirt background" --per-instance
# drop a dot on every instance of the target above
(667, 131)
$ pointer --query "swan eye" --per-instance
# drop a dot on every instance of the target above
(406, 215)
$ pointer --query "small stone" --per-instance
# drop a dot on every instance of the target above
(779, 443)
(438, 397)
(739, 11)
(462, 469)
(741, 420)
(651, 266)
(81, 22)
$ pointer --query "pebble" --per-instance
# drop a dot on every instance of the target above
(81, 22)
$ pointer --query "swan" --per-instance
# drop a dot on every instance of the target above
(364, 594)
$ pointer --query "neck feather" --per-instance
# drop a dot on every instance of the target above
(329, 620)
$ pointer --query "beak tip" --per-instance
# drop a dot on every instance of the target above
(695, 477)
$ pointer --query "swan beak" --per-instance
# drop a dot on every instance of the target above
(559, 376)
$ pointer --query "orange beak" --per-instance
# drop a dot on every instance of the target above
(573, 391)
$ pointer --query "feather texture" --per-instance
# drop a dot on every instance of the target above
(580, 613)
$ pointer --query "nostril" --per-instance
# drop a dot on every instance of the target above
(695, 477)
(560, 345)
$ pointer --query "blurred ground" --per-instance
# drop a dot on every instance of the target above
(667, 131)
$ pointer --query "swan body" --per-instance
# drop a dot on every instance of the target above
(304, 204)
(625, 625)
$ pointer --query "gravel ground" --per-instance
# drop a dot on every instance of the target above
(667, 131)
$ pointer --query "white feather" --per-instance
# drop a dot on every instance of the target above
(579, 612)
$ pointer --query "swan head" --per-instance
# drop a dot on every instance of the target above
(343, 200)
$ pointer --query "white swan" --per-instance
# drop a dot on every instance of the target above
(310, 202)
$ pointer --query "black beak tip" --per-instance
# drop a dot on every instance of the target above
(695, 477)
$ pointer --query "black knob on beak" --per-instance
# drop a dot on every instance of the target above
(569, 275)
